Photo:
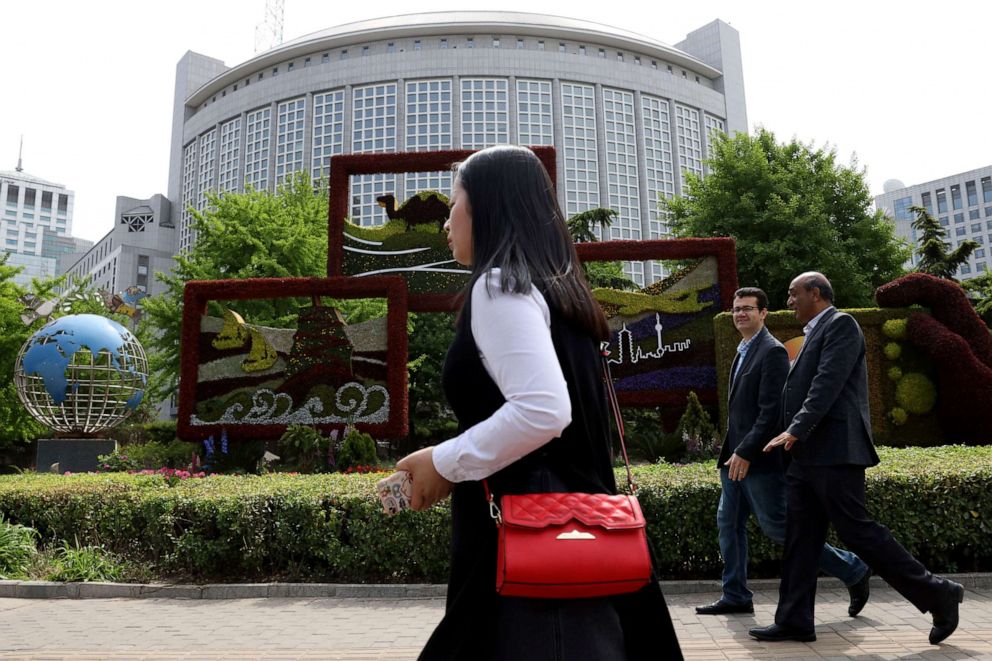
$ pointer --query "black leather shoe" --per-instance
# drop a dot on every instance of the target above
(945, 615)
(859, 594)
(723, 607)
(775, 633)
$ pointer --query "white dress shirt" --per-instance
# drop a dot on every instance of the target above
(513, 334)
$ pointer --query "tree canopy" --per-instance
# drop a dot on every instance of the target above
(791, 208)
(936, 257)
(256, 234)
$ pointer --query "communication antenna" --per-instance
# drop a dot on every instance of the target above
(20, 152)
(268, 34)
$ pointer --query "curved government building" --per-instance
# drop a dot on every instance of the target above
(628, 114)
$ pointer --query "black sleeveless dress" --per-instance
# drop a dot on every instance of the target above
(479, 624)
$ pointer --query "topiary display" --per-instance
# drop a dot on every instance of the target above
(893, 350)
(958, 343)
(895, 328)
(898, 416)
(916, 393)
(894, 373)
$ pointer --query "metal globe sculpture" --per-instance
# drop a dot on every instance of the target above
(81, 373)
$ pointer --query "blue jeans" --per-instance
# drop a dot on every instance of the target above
(764, 495)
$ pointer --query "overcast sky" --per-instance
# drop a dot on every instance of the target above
(904, 86)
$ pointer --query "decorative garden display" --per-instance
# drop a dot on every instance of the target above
(81, 374)
(254, 381)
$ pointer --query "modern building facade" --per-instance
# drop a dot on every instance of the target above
(961, 202)
(142, 242)
(33, 208)
(629, 115)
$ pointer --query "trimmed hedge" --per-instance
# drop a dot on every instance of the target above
(937, 501)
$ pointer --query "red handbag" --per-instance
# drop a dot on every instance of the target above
(572, 545)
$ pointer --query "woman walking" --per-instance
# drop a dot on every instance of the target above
(524, 377)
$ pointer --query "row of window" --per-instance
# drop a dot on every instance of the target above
(30, 199)
(669, 130)
(444, 43)
(956, 199)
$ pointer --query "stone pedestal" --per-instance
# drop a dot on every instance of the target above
(76, 455)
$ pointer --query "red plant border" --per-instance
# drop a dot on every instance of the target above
(345, 165)
(199, 292)
(725, 251)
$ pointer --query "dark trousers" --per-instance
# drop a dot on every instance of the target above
(817, 497)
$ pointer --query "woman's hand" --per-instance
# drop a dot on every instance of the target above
(429, 486)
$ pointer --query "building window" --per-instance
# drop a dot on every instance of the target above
(637, 60)
(428, 128)
(900, 208)
(208, 155)
(136, 221)
(941, 201)
(972, 193)
(944, 222)
(987, 189)
(275, 71)
(391, 47)
(621, 165)
(30, 197)
(373, 130)
(46, 201)
(973, 214)
(290, 66)
(495, 42)
(328, 131)
(956, 196)
(582, 50)
(189, 196)
(581, 149)
(959, 231)
(927, 202)
(444, 43)
(688, 140)
(713, 125)
(534, 115)
(344, 54)
(257, 148)
(290, 118)
(965, 268)
(365, 51)
(470, 42)
(602, 52)
(416, 44)
(959, 218)
(230, 156)
(561, 46)
(485, 112)
(520, 44)
(306, 63)
(540, 45)
(325, 58)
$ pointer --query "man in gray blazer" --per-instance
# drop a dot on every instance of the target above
(828, 430)
(752, 481)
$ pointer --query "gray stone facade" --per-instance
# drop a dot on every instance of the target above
(961, 202)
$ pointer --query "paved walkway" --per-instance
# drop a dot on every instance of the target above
(395, 629)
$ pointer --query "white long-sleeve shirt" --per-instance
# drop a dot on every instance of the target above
(513, 334)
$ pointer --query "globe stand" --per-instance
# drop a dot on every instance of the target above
(73, 455)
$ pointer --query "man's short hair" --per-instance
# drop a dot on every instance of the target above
(754, 292)
(819, 281)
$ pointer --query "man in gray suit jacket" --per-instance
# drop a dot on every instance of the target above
(752, 481)
(828, 430)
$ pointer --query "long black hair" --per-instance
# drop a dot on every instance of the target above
(518, 227)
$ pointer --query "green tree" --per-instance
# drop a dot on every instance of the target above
(255, 234)
(936, 258)
(791, 208)
(979, 291)
(582, 226)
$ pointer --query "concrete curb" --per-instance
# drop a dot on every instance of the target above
(54, 590)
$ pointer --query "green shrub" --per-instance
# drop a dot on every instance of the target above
(696, 431)
(357, 449)
(916, 393)
(151, 455)
(16, 548)
(302, 447)
(87, 563)
(892, 350)
(898, 416)
(330, 527)
(894, 373)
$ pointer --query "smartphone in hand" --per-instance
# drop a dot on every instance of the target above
(395, 492)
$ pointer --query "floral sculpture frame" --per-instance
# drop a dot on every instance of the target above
(393, 394)
(666, 386)
(345, 165)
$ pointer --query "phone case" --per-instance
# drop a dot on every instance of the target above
(395, 492)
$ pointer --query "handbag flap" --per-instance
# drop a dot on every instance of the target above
(540, 510)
